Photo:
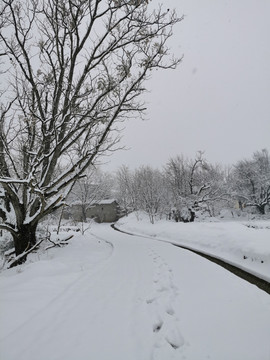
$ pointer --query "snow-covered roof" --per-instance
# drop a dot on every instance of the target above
(92, 203)
(105, 202)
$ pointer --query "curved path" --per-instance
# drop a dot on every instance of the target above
(143, 300)
(252, 279)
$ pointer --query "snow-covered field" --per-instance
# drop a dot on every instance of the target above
(243, 243)
(111, 296)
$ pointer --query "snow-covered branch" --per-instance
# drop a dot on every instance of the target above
(76, 70)
(18, 259)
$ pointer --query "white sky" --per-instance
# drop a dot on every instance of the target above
(218, 100)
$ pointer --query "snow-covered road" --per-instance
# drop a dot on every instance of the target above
(130, 299)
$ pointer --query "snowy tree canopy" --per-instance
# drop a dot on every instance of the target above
(72, 70)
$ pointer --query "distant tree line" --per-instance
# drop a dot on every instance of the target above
(186, 186)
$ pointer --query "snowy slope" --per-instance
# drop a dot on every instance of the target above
(110, 296)
(245, 244)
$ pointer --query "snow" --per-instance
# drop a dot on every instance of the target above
(94, 202)
(106, 201)
(111, 296)
(243, 243)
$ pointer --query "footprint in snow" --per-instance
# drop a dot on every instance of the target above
(169, 310)
(157, 326)
(150, 300)
(174, 338)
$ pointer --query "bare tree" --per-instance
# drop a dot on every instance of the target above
(126, 190)
(150, 189)
(195, 183)
(251, 181)
(176, 172)
(94, 187)
(185, 177)
(212, 193)
(75, 68)
(142, 189)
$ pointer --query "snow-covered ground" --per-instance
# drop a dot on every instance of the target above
(243, 243)
(111, 296)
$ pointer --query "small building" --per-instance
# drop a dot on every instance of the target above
(104, 211)
(101, 211)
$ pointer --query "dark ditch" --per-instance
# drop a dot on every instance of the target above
(252, 279)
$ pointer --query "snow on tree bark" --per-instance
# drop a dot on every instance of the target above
(73, 69)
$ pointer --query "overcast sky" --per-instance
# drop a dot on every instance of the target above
(218, 100)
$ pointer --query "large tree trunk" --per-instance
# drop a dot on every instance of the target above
(24, 239)
(261, 209)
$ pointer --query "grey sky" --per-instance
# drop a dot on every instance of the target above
(218, 100)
